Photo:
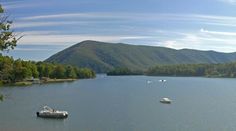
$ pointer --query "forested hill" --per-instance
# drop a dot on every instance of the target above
(101, 56)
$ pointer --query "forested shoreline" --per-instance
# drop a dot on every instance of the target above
(123, 71)
(206, 70)
(227, 70)
(12, 71)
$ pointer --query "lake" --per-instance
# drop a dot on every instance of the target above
(124, 103)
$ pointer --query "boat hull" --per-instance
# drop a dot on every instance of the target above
(52, 115)
(165, 102)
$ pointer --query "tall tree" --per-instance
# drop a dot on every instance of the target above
(8, 38)
(70, 72)
(59, 72)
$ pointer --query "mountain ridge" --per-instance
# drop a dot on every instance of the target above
(103, 56)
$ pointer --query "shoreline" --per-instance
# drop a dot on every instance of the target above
(57, 80)
(175, 76)
(43, 81)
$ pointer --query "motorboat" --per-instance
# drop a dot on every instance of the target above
(48, 112)
(162, 80)
(166, 100)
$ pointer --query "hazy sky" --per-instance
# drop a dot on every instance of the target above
(49, 26)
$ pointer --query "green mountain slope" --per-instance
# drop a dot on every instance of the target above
(102, 56)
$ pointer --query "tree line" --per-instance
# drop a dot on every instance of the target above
(208, 70)
(18, 70)
(124, 71)
(205, 70)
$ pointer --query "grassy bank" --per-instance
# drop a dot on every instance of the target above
(43, 81)
(22, 83)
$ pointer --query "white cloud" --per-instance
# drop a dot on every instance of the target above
(229, 1)
(134, 16)
(48, 32)
(218, 32)
(201, 40)
(71, 15)
(32, 49)
(72, 39)
(120, 18)
(44, 24)
(20, 4)
(233, 24)
(65, 15)
(171, 44)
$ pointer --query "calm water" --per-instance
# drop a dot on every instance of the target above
(124, 103)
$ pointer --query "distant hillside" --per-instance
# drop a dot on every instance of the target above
(102, 56)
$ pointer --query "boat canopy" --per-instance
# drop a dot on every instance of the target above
(47, 108)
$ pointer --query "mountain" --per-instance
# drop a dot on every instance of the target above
(101, 56)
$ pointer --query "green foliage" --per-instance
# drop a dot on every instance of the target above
(52, 70)
(15, 71)
(1, 83)
(21, 70)
(70, 72)
(209, 70)
(1, 97)
(59, 72)
(8, 39)
(103, 57)
(6, 69)
(124, 71)
(84, 73)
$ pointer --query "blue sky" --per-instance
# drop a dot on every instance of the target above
(52, 25)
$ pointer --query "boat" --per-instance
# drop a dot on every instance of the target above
(149, 82)
(162, 80)
(166, 101)
(48, 112)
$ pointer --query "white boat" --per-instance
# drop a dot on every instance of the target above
(48, 112)
(162, 80)
(149, 82)
(166, 101)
